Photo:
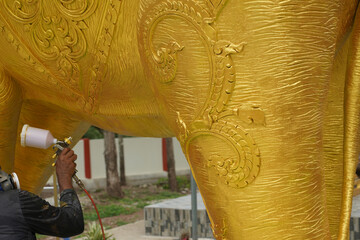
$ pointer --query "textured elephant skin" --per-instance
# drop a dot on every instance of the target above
(262, 95)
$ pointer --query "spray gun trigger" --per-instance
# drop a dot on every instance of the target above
(58, 149)
(58, 146)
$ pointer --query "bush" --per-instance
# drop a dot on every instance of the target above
(182, 182)
(93, 133)
(95, 233)
(109, 211)
(96, 133)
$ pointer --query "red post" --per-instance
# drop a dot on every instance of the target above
(164, 155)
(87, 163)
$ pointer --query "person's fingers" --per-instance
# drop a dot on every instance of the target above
(65, 151)
(69, 153)
(73, 167)
(72, 158)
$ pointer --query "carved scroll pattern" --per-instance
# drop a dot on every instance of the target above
(215, 5)
(11, 39)
(238, 168)
(163, 61)
(27, 56)
(56, 30)
(241, 169)
(220, 230)
(211, 122)
(98, 66)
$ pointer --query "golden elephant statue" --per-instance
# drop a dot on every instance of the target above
(262, 95)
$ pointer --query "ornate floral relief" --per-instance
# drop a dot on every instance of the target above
(220, 230)
(162, 63)
(216, 5)
(224, 80)
(183, 131)
(98, 67)
(11, 39)
(57, 32)
(30, 59)
(242, 166)
(165, 59)
(239, 165)
(248, 115)
(56, 29)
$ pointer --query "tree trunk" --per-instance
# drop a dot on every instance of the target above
(122, 161)
(171, 164)
(113, 186)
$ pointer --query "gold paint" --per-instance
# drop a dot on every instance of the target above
(253, 90)
(219, 231)
(351, 126)
(56, 30)
(239, 165)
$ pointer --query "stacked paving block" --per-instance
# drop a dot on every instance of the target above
(173, 217)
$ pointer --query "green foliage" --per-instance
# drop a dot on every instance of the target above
(95, 233)
(96, 133)
(162, 195)
(93, 133)
(182, 182)
(136, 198)
(109, 211)
(143, 201)
(39, 236)
(121, 223)
(130, 200)
(141, 204)
(126, 205)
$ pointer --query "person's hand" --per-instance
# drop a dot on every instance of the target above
(65, 168)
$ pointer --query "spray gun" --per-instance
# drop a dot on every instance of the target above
(41, 138)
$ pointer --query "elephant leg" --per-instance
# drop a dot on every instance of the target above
(10, 105)
(34, 166)
(351, 126)
(249, 194)
(253, 138)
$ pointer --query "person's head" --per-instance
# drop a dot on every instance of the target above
(8, 181)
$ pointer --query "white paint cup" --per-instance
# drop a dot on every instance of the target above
(36, 137)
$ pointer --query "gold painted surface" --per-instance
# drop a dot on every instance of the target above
(254, 91)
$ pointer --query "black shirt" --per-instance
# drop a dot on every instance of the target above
(25, 214)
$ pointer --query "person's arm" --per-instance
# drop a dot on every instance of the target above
(64, 221)
(65, 168)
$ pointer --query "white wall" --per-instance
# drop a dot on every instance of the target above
(143, 156)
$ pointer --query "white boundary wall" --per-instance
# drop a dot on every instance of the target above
(143, 160)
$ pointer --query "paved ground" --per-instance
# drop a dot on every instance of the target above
(183, 202)
(136, 231)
